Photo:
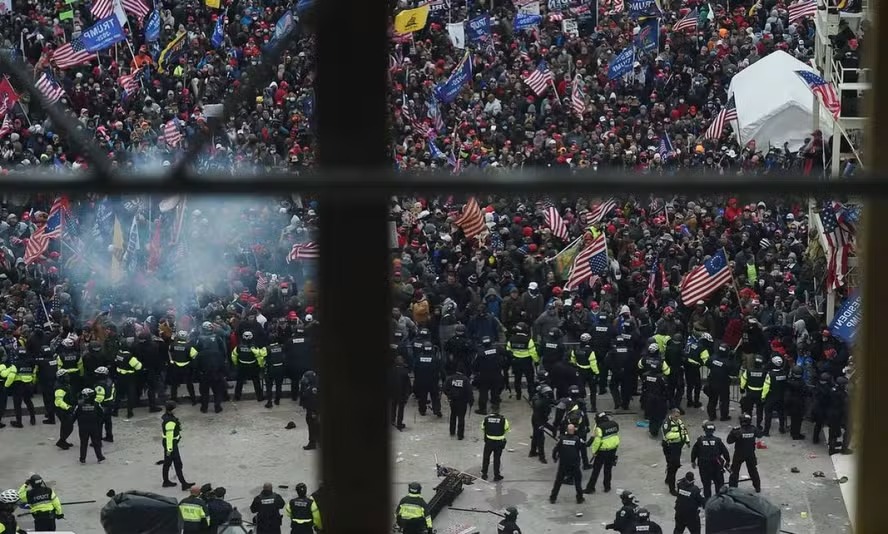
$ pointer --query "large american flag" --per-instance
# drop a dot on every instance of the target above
(471, 221)
(171, 133)
(304, 251)
(589, 263)
(689, 22)
(39, 242)
(802, 9)
(555, 222)
(617, 6)
(136, 8)
(50, 89)
(540, 78)
(599, 212)
(578, 97)
(824, 90)
(839, 236)
(726, 115)
(705, 279)
(130, 82)
(72, 54)
(102, 8)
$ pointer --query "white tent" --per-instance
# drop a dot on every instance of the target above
(774, 105)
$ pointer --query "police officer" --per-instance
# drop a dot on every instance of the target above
(127, 366)
(539, 420)
(5, 364)
(624, 521)
(837, 418)
(310, 400)
(494, 426)
(299, 356)
(675, 382)
(93, 358)
(776, 396)
(88, 415)
(822, 400)
(458, 389)
(69, 359)
(644, 524)
(619, 361)
(600, 343)
(755, 383)
(275, 371)
(508, 524)
(552, 349)
(64, 404)
(796, 392)
(20, 379)
(488, 373)
(209, 362)
(675, 436)
(147, 351)
(412, 513)
(710, 455)
(181, 367)
(422, 335)
(567, 454)
(524, 356)
(298, 510)
(106, 394)
(743, 438)
(654, 389)
(47, 365)
(586, 361)
(687, 505)
(399, 391)
(193, 511)
(248, 359)
(172, 433)
(718, 385)
(267, 506)
(45, 506)
(427, 373)
(696, 356)
(605, 444)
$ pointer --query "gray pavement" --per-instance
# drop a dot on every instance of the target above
(247, 445)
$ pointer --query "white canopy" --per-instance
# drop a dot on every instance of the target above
(774, 105)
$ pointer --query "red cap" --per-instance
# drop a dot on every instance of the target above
(292, 316)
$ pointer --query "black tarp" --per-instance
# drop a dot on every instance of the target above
(141, 512)
(737, 511)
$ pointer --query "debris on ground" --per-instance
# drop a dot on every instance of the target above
(290, 426)
(794, 470)
(819, 474)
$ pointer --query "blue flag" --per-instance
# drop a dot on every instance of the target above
(219, 32)
(666, 148)
(643, 8)
(446, 92)
(103, 34)
(434, 151)
(622, 63)
(526, 20)
(648, 38)
(152, 26)
(844, 324)
(478, 29)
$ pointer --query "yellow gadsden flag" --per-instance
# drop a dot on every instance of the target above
(412, 20)
(213, 3)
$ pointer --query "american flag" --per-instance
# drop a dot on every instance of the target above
(523, 55)
(39, 242)
(555, 222)
(666, 147)
(50, 89)
(304, 251)
(802, 9)
(102, 8)
(839, 238)
(540, 78)
(650, 293)
(130, 82)
(171, 133)
(136, 8)
(556, 16)
(471, 221)
(434, 112)
(687, 23)
(824, 90)
(261, 282)
(589, 263)
(6, 127)
(599, 212)
(396, 59)
(578, 97)
(727, 114)
(71, 54)
(705, 279)
(617, 6)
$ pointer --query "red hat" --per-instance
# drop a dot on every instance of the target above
(578, 305)
(292, 316)
(527, 231)
(516, 219)
(309, 309)
(556, 290)
(532, 247)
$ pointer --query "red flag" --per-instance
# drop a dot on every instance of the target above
(8, 96)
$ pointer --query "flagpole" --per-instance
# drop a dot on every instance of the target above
(733, 281)
(572, 243)
(19, 102)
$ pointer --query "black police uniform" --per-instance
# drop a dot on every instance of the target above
(655, 389)
(88, 415)
(586, 360)
(775, 400)
(181, 370)
(267, 506)
(624, 520)
(64, 407)
(209, 362)
(495, 427)
(822, 401)
(299, 350)
(170, 428)
(488, 371)
(44, 521)
(646, 527)
(427, 371)
(600, 343)
(796, 392)
(687, 505)
(460, 351)
(619, 361)
(551, 351)
(310, 400)
(743, 438)
(696, 357)
(567, 454)
(675, 382)
(542, 408)
(47, 366)
(458, 389)
(507, 526)
(837, 417)
(399, 392)
(275, 372)
(147, 351)
(718, 384)
(711, 456)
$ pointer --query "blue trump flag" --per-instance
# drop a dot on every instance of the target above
(446, 92)
(219, 32)
(844, 324)
(643, 8)
(478, 29)
(526, 20)
(622, 63)
(103, 34)
(648, 38)
(152, 26)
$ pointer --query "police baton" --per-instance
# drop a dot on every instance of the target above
(63, 504)
(476, 510)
